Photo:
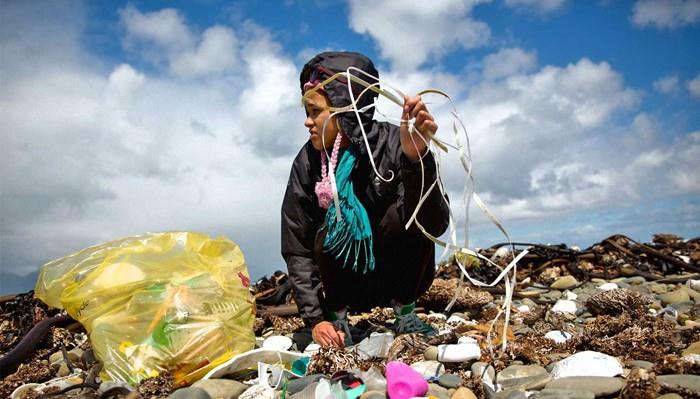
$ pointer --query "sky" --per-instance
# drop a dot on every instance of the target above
(124, 117)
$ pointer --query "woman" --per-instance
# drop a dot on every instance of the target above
(366, 258)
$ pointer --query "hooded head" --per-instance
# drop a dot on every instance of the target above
(327, 64)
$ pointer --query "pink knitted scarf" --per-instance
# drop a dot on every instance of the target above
(324, 190)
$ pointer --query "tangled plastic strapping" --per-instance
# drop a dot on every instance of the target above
(469, 192)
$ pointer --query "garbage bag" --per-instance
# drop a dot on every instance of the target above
(156, 302)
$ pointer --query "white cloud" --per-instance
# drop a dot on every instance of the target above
(507, 62)
(538, 6)
(669, 14)
(164, 35)
(694, 86)
(668, 84)
(410, 32)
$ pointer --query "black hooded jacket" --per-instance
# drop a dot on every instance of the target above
(301, 215)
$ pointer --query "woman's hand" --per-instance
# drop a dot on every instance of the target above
(325, 334)
(424, 125)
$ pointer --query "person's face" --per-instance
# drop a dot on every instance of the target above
(317, 112)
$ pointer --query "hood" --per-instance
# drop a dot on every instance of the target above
(325, 65)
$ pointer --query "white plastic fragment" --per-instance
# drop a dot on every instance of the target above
(570, 296)
(587, 364)
(277, 342)
(457, 353)
(456, 320)
(608, 287)
(376, 345)
(312, 348)
(693, 284)
(523, 309)
(558, 336)
(564, 306)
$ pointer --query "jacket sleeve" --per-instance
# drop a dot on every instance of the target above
(298, 235)
(434, 213)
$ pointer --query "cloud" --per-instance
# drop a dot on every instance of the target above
(507, 62)
(694, 86)
(91, 154)
(537, 6)
(409, 33)
(669, 14)
(164, 37)
(667, 85)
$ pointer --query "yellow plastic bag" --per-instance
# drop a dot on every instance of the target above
(175, 302)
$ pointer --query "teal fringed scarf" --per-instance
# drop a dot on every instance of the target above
(352, 234)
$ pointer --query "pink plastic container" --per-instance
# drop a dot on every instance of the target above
(403, 382)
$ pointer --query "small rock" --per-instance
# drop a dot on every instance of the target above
(564, 306)
(431, 353)
(558, 336)
(587, 364)
(636, 280)
(564, 283)
(56, 357)
(429, 368)
(478, 370)
(450, 380)
(373, 395)
(458, 353)
(463, 393)
(437, 391)
(642, 364)
(190, 393)
(221, 388)
(676, 296)
(600, 386)
(670, 396)
(563, 394)
(680, 380)
(693, 294)
(511, 394)
(523, 377)
(63, 370)
(693, 349)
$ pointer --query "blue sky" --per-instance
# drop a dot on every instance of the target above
(119, 118)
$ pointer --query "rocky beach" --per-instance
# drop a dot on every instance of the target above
(620, 319)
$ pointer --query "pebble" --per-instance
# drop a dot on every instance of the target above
(63, 370)
(458, 353)
(564, 306)
(642, 364)
(608, 287)
(373, 395)
(670, 396)
(463, 393)
(429, 368)
(564, 283)
(674, 297)
(56, 357)
(683, 380)
(221, 388)
(693, 294)
(523, 377)
(600, 386)
(693, 349)
(478, 370)
(437, 391)
(588, 364)
(449, 380)
(431, 353)
(636, 280)
(563, 394)
(190, 393)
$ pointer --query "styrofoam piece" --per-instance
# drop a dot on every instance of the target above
(277, 342)
(558, 336)
(249, 360)
(587, 364)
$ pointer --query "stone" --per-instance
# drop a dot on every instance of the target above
(463, 393)
(563, 394)
(478, 368)
(437, 391)
(636, 280)
(608, 287)
(373, 395)
(564, 283)
(564, 306)
(56, 357)
(298, 384)
(670, 396)
(587, 364)
(693, 294)
(190, 393)
(674, 297)
(222, 388)
(431, 353)
(642, 364)
(511, 394)
(600, 386)
(63, 370)
(680, 380)
(429, 368)
(693, 349)
(523, 377)
(458, 353)
(449, 380)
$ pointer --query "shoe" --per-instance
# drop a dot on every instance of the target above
(407, 321)
(340, 322)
